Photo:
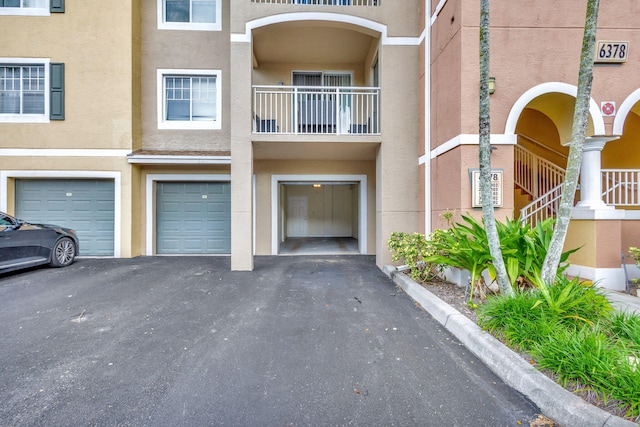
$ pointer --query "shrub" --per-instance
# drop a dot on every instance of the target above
(413, 249)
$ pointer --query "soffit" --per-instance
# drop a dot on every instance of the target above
(310, 43)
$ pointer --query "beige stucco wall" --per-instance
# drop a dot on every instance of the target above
(174, 49)
(397, 169)
(599, 243)
(96, 48)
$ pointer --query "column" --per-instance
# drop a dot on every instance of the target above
(591, 173)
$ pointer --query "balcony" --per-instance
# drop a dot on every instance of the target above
(316, 110)
(324, 2)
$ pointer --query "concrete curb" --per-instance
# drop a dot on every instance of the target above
(553, 400)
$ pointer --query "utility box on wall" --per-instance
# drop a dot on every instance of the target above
(496, 187)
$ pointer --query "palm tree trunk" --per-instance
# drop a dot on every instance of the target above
(578, 133)
(485, 156)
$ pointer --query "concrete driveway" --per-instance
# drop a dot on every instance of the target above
(183, 341)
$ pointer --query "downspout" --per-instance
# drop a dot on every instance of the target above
(427, 118)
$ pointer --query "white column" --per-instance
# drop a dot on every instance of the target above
(591, 173)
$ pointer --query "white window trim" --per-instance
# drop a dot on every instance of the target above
(166, 124)
(30, 118)
(25, 11)
(190, 26)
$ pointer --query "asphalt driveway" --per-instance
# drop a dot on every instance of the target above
(183, 341)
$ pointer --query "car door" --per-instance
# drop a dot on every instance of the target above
(19, 242)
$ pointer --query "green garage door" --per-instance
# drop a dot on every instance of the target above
(86, 205)
(193, 218)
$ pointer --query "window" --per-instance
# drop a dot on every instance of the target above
(27, 7)
(189, 99)
(201, 15)
(31, 90)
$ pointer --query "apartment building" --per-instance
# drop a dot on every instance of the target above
(234, 127)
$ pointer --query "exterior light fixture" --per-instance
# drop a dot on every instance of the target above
(492, 85)
(317, 185)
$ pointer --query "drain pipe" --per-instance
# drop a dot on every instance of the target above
(427, 118)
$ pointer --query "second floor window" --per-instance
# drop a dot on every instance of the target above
(189, 101)
(189, 14)
(22, 91)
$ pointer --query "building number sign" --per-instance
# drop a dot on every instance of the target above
(611, 51)
(496, 187)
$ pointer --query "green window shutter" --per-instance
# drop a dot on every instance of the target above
(57, 6)
(56, 91)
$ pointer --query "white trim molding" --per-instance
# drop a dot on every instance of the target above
(57, 152)
(624, 110)
(276, 180)
(325, 16)
(472, 139)
(552, 87)
(153, 159)
(117, 193)
(151, 200)
(608, 278)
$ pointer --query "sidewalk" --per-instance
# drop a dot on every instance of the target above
(623, 301)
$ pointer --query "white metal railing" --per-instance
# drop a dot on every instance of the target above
(534, 174)
(543, 207)
(324, 2)
(336, 110)
(621, 187)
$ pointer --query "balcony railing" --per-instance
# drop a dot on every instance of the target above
(324, 2)
(335, 110)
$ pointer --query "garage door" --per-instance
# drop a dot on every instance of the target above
(85, 205)
(193, 218)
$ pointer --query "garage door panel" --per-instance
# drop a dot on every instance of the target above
(195, 207)
(82, 225)
(193, 217)
(86, 205)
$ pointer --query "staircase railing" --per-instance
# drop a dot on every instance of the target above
(542, 208)
(534, 174)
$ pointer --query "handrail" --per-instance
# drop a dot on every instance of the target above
(543, 207)
(541, 145)
(534, 174)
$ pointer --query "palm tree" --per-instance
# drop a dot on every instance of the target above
(578, 133)
(485, 156)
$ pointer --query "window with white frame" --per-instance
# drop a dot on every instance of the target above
(24, 7)
(24, 91)
(189, 99)
(203, 15)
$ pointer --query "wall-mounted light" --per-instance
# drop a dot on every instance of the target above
(317, 185)
(492, 85)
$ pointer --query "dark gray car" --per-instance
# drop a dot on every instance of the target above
(24, 245)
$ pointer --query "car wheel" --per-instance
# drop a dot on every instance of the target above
(64, 251)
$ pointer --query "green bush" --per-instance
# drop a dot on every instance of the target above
(413, 249)
(570, 329)
(465, 245)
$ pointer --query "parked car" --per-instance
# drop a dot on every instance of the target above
(24, 245)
